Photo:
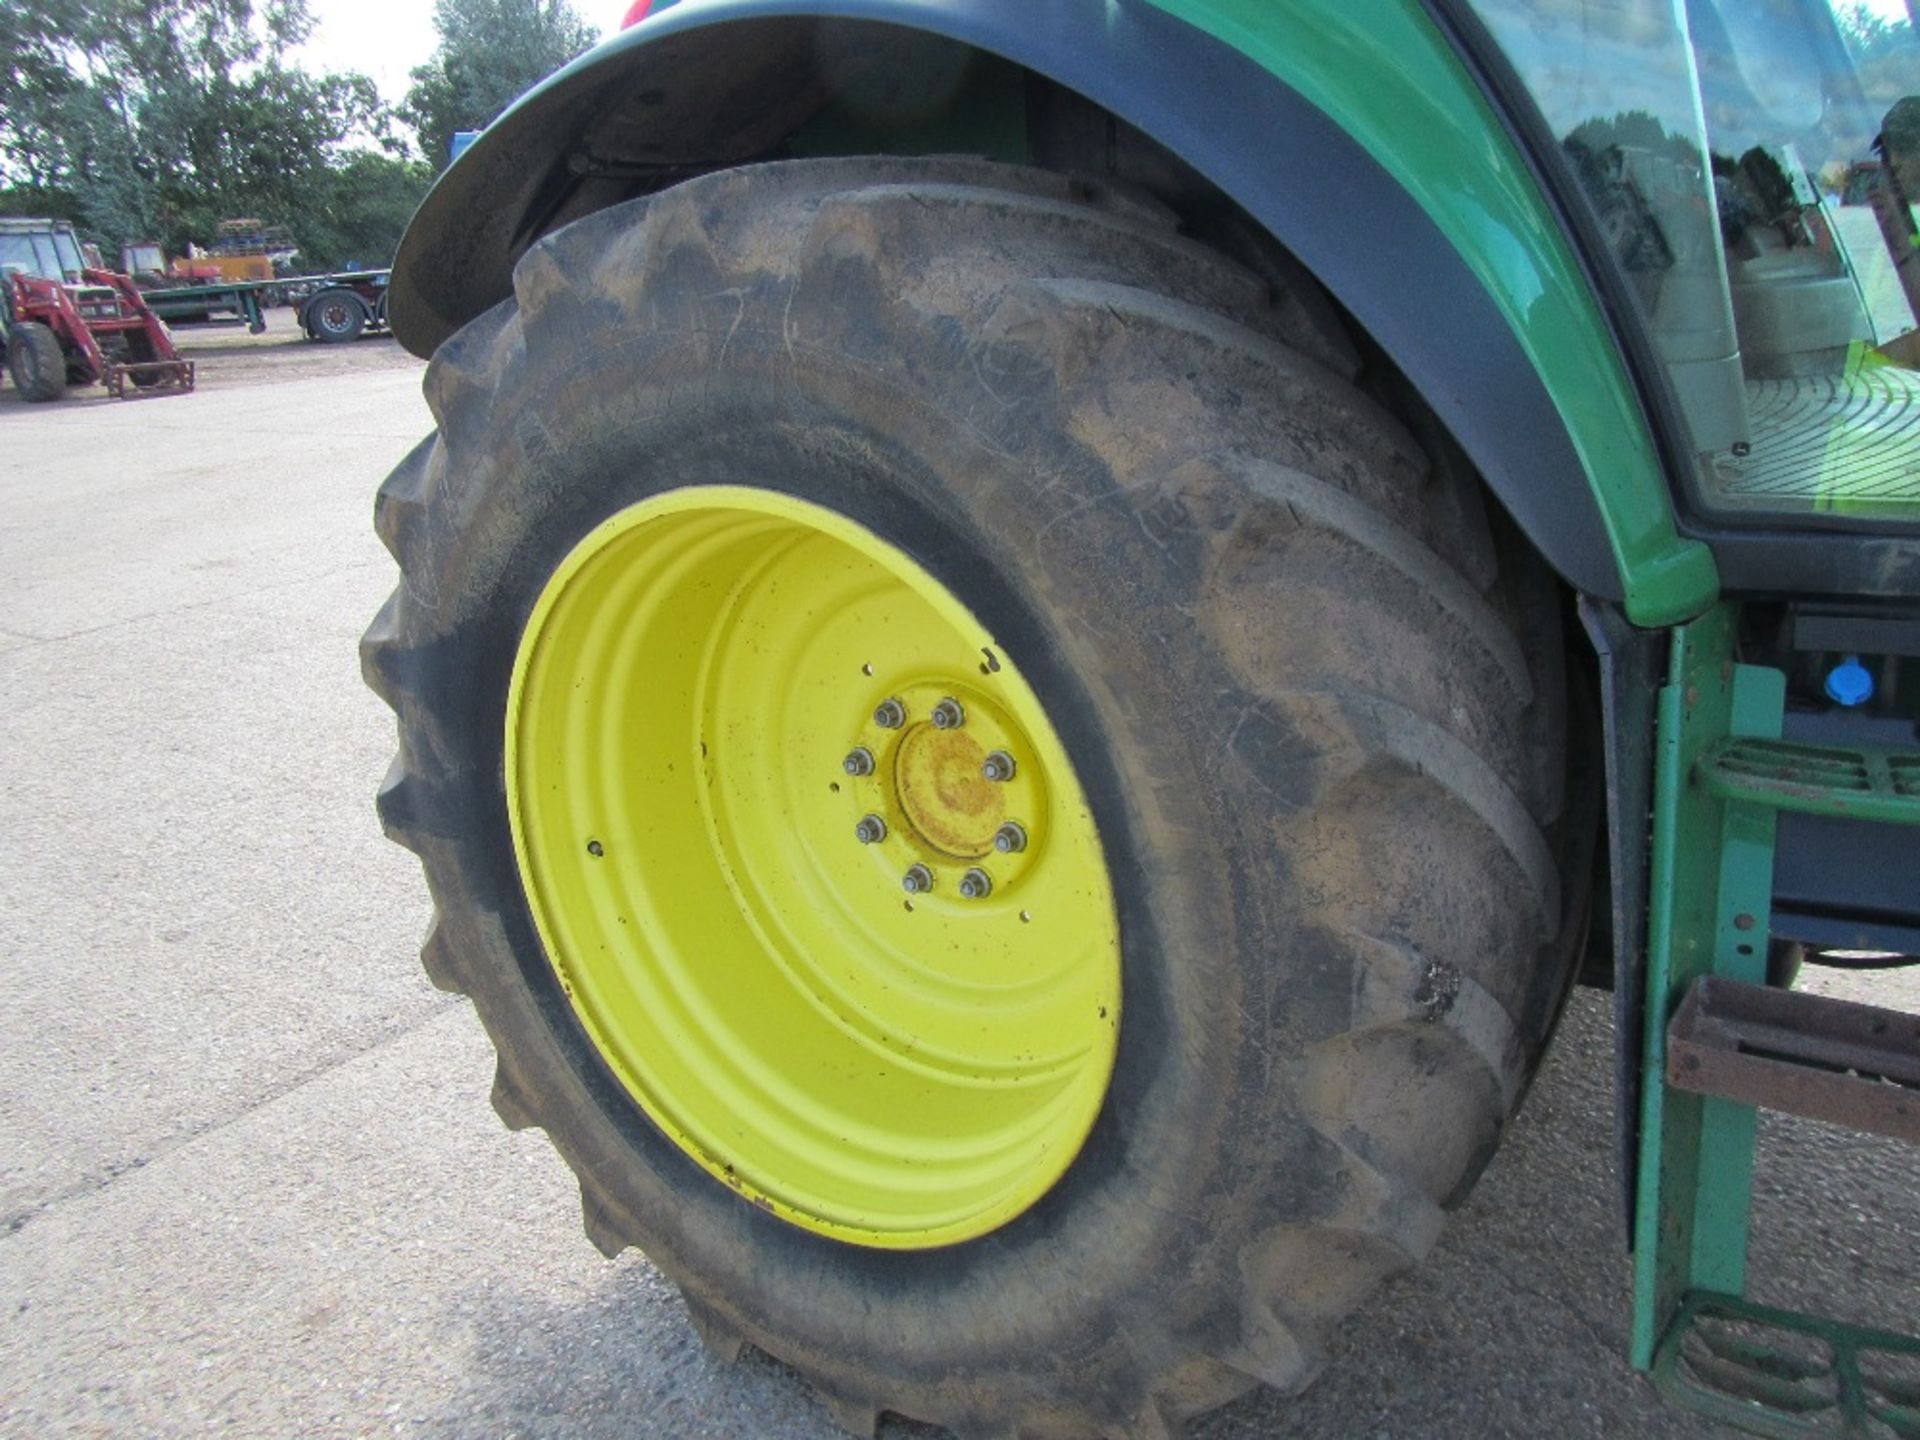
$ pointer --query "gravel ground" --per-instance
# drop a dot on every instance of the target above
(249, 1179)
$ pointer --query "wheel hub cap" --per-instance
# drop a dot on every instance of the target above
(951, 808)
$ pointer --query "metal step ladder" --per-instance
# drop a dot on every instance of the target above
(1719, 1043)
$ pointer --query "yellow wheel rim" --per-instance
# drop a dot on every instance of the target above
(866, 973)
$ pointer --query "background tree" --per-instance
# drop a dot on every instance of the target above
(356, 213)
(490, 52)
(1885, 54)
(154, 119)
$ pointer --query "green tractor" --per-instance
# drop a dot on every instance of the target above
(1038, 638)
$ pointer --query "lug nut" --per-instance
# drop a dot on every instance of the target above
(976, 885)
(997, 766)
(1010, 838)
(890, 715)
(948, 715)
(917, 881)
(871, 830)
(859, 761)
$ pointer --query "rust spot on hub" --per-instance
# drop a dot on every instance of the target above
(949, 803)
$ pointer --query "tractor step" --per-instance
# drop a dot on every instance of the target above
(1717, 1044)
(1832, 1060)
(168, 376)
(1781, 1373)
(1848, 782)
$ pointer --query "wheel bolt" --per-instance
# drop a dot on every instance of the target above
(871, 830)
(890, 715)
(917, 881)
(976, 885)
(1010, 838)
(859, 761)
(948, 715)
(997, 766)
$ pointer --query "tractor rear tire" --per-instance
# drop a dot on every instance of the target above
(36, 362)
(1312, 689)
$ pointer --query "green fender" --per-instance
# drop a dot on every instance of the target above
(1360, 136)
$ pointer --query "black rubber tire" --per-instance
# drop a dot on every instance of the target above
(36, 362)
(140, 351)
(1316, 703)
(335, 316)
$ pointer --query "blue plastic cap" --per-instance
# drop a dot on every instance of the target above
(1850, 682)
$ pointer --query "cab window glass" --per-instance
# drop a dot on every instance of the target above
(1753, 165)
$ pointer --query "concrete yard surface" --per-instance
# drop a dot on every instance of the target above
(249, 1179)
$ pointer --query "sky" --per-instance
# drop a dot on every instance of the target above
(387, 38)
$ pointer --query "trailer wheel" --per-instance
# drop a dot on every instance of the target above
(336, 316)
(36, 362)
(949, 619)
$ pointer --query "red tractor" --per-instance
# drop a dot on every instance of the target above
(68, 323)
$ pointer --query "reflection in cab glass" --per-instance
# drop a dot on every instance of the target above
(1753, 164)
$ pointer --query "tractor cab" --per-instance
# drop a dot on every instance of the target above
(146, 262)
(47, 249)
